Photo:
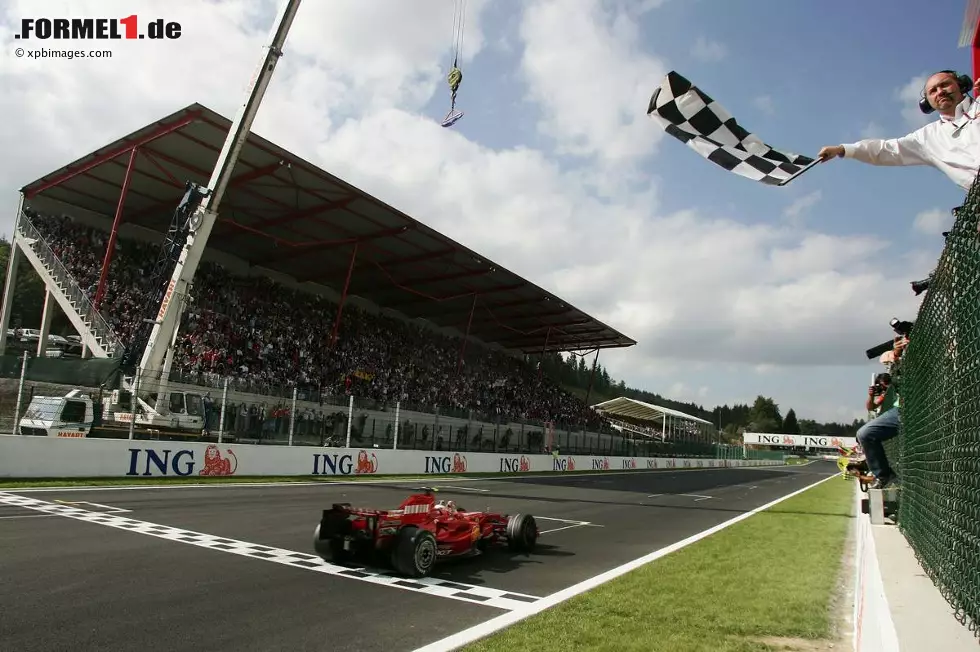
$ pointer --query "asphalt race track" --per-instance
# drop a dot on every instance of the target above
(231, 567)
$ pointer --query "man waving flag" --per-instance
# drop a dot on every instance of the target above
(687, 113)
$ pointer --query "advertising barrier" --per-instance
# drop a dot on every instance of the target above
(51, 457)
(798, 441)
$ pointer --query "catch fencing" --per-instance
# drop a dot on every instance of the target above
(937, 454)
(34, 400)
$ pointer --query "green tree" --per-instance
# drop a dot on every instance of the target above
(790, 426)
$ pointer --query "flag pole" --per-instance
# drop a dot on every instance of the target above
(804, 169)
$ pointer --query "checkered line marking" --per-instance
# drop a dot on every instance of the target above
(505, 600)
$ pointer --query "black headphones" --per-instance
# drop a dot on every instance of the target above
(964, 81)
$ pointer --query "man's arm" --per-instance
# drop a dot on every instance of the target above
(907, 150)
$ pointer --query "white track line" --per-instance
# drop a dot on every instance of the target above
(477, 632)
(481, 595)
(341, 483)
(698, 496)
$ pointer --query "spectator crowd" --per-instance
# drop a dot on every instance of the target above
(261, 333)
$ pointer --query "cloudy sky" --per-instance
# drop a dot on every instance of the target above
(731, 288)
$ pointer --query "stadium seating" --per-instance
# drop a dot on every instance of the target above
(267, 336)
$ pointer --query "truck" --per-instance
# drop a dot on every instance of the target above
(77, 414)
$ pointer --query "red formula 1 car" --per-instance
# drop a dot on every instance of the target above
(412, 537)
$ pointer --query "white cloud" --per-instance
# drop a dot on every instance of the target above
(764, 104)
(872, 130)
(696, 290)
(586, 70)
(706, 50)
(933, 222)
(795, 211)
(909, 95)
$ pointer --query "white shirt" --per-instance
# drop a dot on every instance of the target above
(950, 145)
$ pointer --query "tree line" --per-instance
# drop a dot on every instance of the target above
(764, 415)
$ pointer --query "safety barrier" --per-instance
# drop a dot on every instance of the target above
(874, 630)
(24, 456)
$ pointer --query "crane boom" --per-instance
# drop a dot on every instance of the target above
(193, 221)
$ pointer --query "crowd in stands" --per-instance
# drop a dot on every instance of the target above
(263, 333)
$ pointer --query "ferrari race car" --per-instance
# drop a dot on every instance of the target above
(419, 532)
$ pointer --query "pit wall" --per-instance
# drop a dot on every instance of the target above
(52, 457)
(874, 629)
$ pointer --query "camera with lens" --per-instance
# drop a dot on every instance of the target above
(881, 383)
(921, 286)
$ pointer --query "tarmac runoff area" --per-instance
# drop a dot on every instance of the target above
(232, 567)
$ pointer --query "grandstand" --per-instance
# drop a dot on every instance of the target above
(306, 282)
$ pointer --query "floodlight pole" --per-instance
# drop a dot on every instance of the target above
(462, 346)
(110, 248)
(343, 294)
(164, 334)
(544, 349)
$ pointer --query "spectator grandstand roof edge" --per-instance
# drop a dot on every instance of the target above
(634, 409)
(284, 214)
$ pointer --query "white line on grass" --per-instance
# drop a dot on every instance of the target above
(475, 633)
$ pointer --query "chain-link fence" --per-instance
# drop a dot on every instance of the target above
(937, 455)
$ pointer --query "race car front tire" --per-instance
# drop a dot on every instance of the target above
(522, 533)
(414, 552)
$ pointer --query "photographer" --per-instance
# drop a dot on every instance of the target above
(872, 435)
(877, 392)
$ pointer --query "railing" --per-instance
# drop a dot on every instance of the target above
(937, 454)
(75, 295)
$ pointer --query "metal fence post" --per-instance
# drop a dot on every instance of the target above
(20, 392)
(398, 407)
(224, 408)
(350, 419)
(133, 402)
(292, 416)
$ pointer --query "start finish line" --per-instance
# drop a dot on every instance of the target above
(793, 441)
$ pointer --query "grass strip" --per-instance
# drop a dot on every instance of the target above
(766, 583)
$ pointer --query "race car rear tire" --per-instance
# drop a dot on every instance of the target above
(522, 533)
(330, 549)
(414, 552)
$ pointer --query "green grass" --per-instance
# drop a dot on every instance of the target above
(772, 576)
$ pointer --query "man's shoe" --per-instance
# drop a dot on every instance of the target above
(883, 481)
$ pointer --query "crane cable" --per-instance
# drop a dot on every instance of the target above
(455, 77)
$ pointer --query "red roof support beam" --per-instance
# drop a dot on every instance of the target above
(124, 147)
(100, 291)
(420, 258)
(419, 296)
(413, 282)
(170, 203)
(293, 216)
(466, 337)
(343, 295)
(305, 248)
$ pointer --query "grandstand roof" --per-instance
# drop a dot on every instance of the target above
(633, 409)
(286, 215)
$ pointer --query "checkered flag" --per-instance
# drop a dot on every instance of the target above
(689, 115)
